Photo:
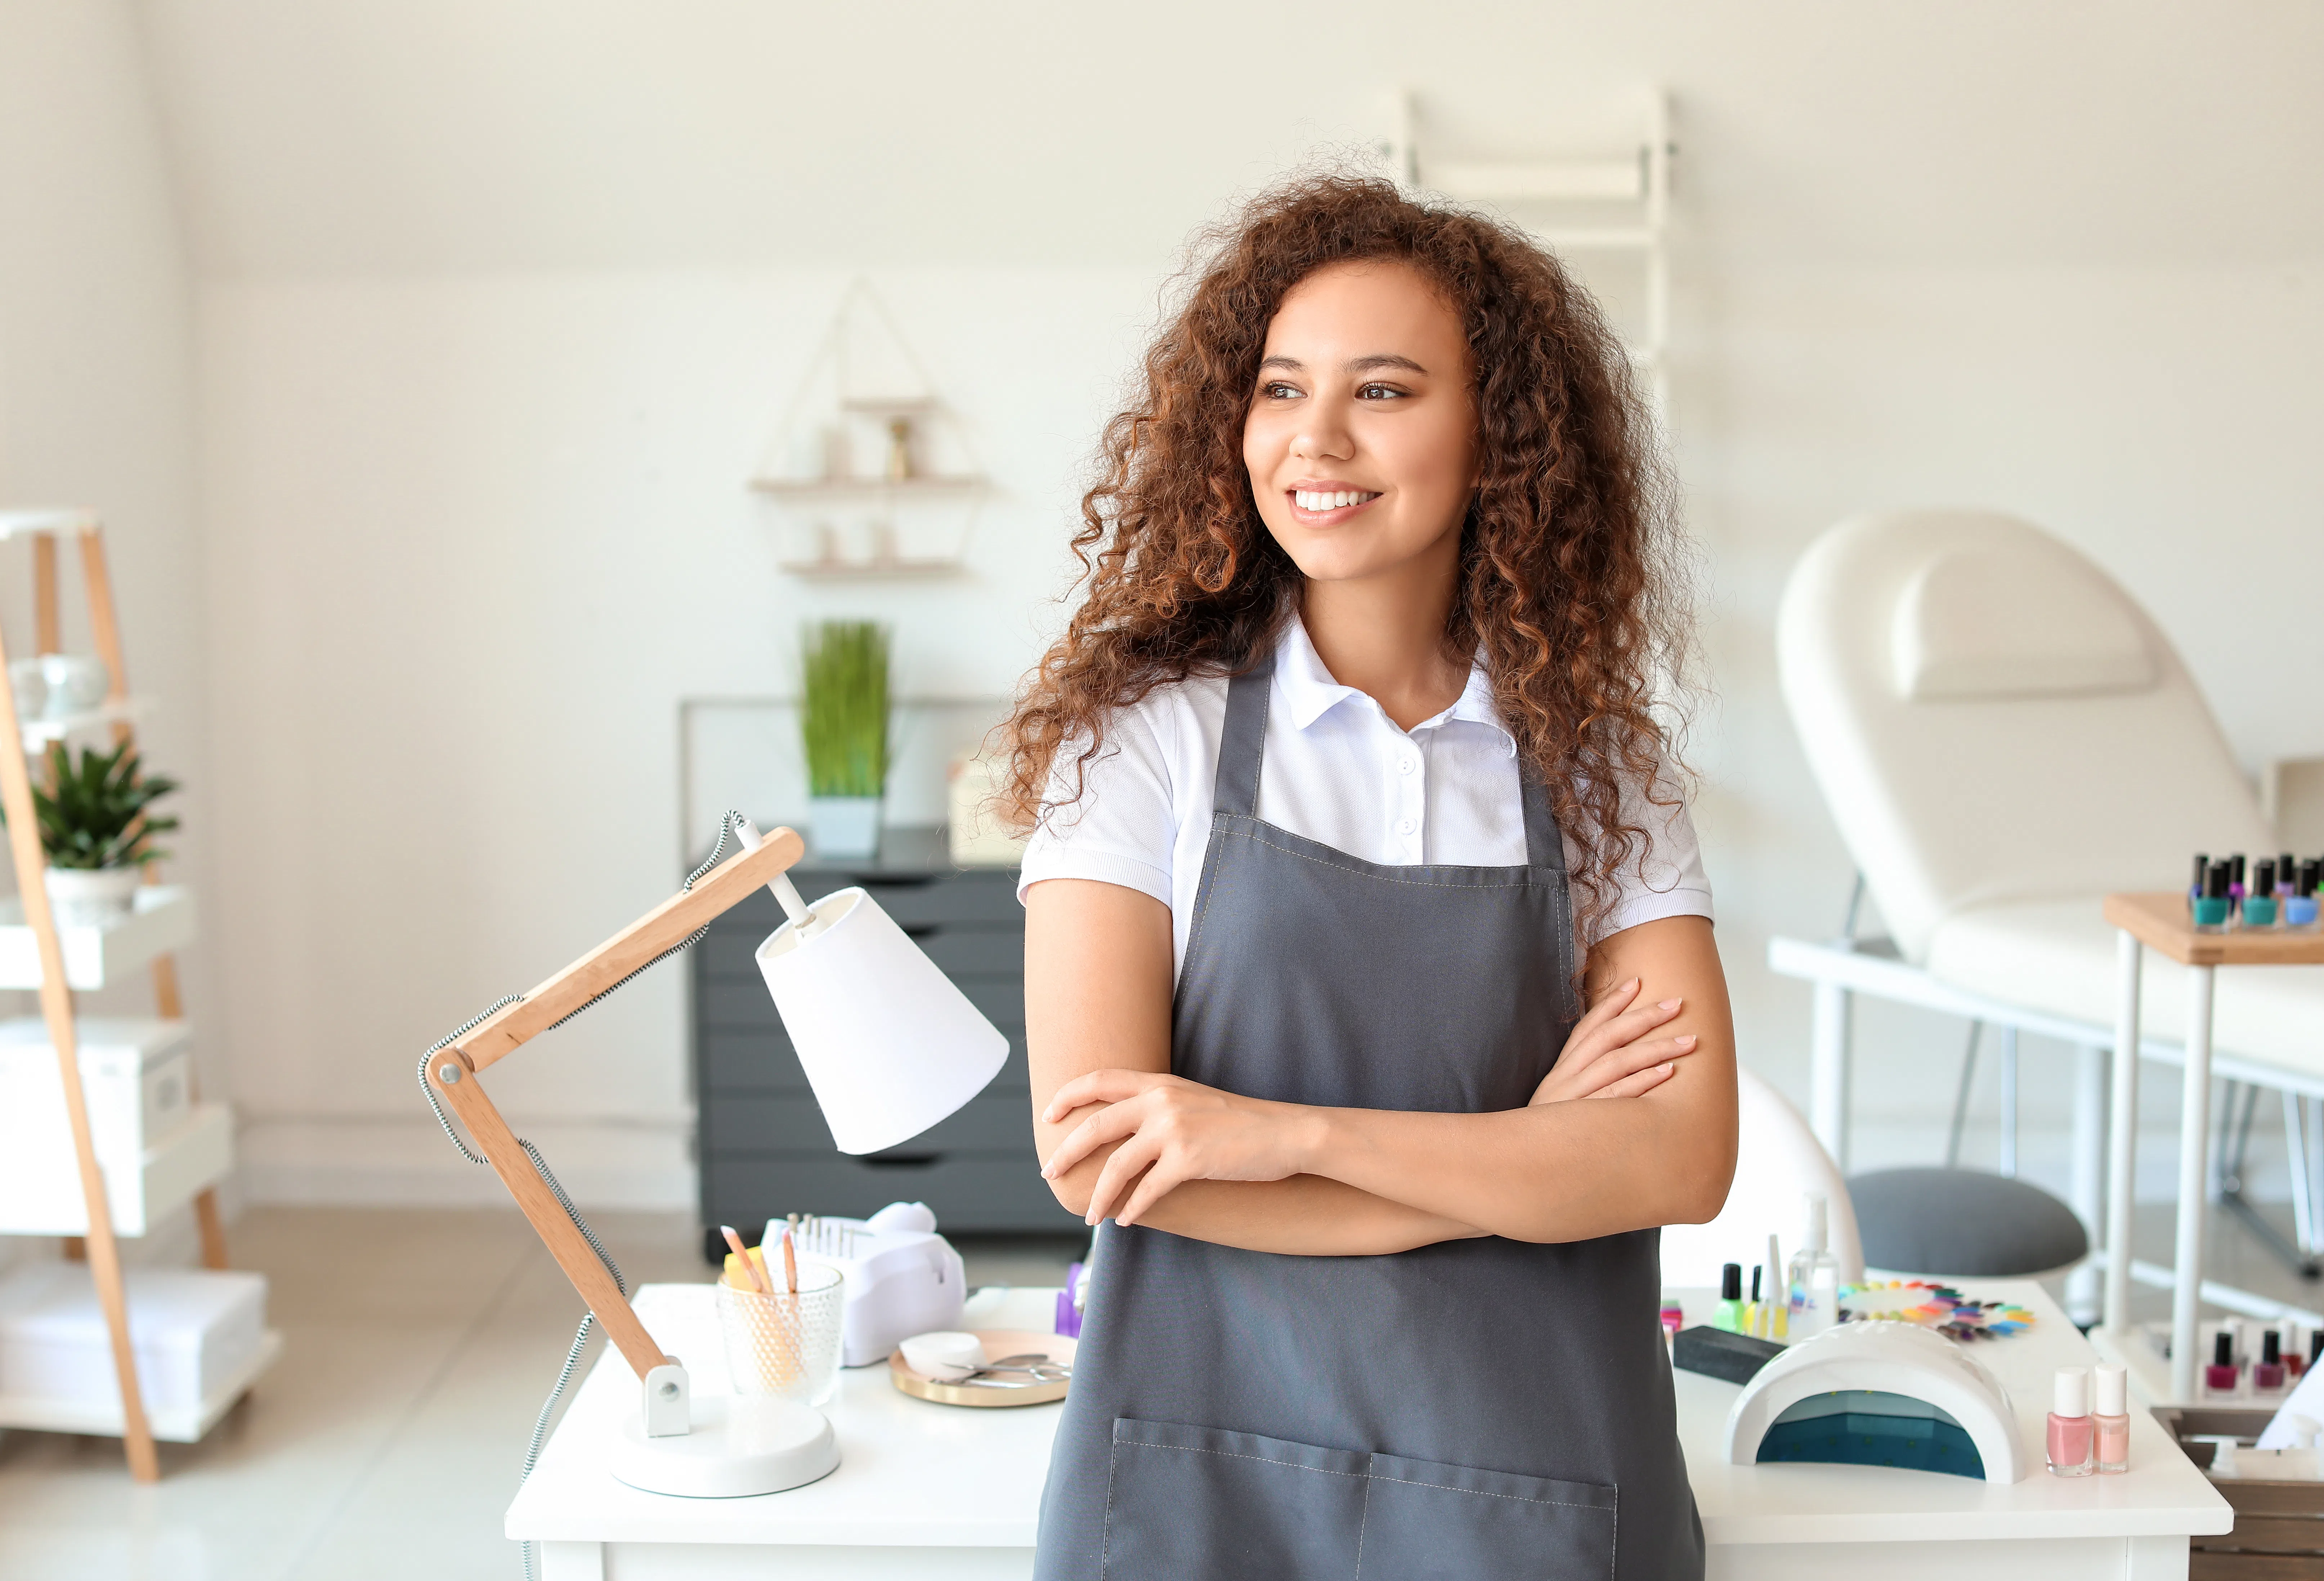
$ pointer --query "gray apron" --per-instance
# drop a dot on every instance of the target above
(1474, 1409)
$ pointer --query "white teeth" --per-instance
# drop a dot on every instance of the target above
(1330, 500)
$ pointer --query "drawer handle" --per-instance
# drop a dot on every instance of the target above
(918, 929)
(895, 1160)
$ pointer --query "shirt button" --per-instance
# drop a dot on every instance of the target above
(1406, 765)
(1404, 826)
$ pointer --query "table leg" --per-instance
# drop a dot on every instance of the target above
(2194, 1127)
(1828, 1071)
(572, 1561)
(2088, 1177)
(2122, 1139)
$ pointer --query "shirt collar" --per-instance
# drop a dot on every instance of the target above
(1307, 692)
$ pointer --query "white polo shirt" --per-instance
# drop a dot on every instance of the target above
(1338, 769)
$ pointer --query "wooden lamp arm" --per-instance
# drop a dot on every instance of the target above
(452, 1070)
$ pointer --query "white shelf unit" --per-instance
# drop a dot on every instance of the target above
(1593, 202)
(40, 1193)
(163, 923)
(170, 1426)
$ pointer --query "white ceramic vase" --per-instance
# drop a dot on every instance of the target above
(90, 897)
(845, 825)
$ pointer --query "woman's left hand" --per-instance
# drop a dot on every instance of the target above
(1172, 1131)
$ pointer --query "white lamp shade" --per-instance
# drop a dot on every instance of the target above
(890, 1044)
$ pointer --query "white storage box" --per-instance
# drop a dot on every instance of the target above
(136, 1076)
(200, 1337)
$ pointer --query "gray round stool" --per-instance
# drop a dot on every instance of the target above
(1963, 1222)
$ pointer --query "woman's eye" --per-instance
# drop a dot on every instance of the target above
(1278, 391)
(1377, 392)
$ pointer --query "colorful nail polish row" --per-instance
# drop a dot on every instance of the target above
(2274, 892)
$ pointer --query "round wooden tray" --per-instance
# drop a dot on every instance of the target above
(997, 1342)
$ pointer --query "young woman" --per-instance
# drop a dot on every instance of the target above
(1349, 793)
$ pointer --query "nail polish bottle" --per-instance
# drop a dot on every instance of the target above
(2222, 1375)
(2070, 1432)
(2284, 868)
(2259, 905)
(2295, 1352)
(2299, 905)
(2111, 1420)
(2267, 1373)
(1756, 1314)
(2202, 872)
(2237, 873)
(1729, 1314)
(2216, 910)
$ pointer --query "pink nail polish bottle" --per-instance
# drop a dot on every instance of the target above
(2112, 1416)
(2267, 1373)
(2071, 1431)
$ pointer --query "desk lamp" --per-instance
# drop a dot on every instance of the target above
(890, 1047)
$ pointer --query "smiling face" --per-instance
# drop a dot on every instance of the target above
(1361, 436)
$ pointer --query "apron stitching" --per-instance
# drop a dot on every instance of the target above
(1227, 1455)
(1482, 1494)
(1105, 1538)
(1526, 883)
(1363, 1523)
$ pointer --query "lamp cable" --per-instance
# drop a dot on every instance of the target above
(727, 829)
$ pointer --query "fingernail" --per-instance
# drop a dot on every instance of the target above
(1670, 1004)
(1666, 1067)
(1685, 1039)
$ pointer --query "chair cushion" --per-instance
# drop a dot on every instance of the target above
(2059, 957)
(1963, 1223)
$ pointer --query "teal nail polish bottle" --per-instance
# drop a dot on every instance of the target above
(2259, 905)
(2215, 909)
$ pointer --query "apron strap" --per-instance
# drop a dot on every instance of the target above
(1243, 744)
(1544, 847)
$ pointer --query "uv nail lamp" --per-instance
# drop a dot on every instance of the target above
(1877, 1393)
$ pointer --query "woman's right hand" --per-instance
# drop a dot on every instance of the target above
(1610, 1053)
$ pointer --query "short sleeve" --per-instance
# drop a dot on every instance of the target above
(1667, 879)
(1112, 821)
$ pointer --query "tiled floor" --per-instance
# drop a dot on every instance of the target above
(388, 1439)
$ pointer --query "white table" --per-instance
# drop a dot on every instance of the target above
(931, 1491)
(2160, 922)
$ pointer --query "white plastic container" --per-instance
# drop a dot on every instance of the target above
(136, 1074)
(195, 1332)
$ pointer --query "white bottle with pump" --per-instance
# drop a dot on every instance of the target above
(1814, 1277)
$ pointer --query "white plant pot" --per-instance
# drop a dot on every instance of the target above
(90, 897)
(845, 825)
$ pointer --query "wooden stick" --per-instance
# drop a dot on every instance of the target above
(105, 629)
(57, 1010)
(47, 632)
(498, 1143)
(656, 933)
(790, 1266)
(750, 1264)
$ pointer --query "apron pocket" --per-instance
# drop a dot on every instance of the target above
(1185, 1503)
(1427, 1521)
(1197, 1504)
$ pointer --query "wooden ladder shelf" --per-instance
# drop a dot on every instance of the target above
(45, 529)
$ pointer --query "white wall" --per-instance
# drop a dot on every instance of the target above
(500, 302)
(95, 315)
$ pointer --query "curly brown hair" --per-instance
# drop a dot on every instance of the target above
(1571, 582)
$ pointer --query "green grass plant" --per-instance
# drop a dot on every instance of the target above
(845, 718)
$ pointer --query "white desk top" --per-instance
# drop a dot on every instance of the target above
(914, 1474)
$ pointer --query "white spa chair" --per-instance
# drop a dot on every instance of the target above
(2003, 737)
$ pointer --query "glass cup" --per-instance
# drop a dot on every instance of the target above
(784, 1344)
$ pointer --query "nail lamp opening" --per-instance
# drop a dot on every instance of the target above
(890, 1045)
(1877, 1393)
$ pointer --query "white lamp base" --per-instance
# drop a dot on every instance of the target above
(740, 1445)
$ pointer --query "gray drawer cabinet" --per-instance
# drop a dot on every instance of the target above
(762, 1144)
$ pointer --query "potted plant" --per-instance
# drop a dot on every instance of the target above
(97, 829)
(843, 722)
